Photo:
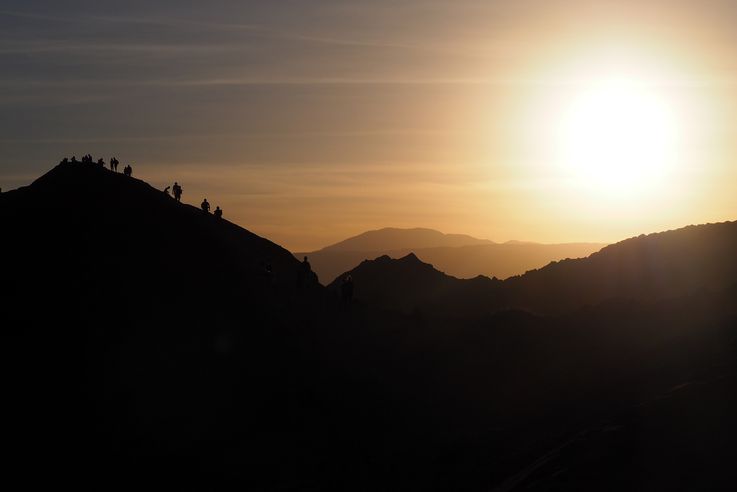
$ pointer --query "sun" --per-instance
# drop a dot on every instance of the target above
(617, 135)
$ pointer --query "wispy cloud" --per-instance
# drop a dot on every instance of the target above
(71, 47)
(254, 29)
(239, 136)
(255, 80)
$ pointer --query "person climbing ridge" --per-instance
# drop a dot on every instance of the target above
(218, 213)
(205, 206)
(166, 191)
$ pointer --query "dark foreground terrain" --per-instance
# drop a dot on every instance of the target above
(146, 344)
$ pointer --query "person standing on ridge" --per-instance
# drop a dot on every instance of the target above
(177, 190)
(205, 206)
(303, 273)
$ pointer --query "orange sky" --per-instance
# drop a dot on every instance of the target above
(314, 123)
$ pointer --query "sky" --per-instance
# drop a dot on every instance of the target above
(312, 121)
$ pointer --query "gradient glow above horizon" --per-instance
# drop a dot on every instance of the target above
(308, 122)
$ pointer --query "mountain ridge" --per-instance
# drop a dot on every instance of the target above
(399, 238)
(647, 267)
(466, 257)
(145, 340)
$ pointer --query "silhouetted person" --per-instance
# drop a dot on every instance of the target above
(74, 159)
(64, 161)
(166, 191)
(205, 206)
(115, 164)
(101, 162)
(218, 213)
(177, 191)
(346, 289)
(128, 170)
(304, 271)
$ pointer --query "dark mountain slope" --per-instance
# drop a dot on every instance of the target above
(108, 206)
(136, 327)
(645, 268)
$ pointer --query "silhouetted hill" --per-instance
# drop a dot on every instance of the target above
(121, 219)
(457, 255)
(143, 343)
(131, 321)
(646, 268)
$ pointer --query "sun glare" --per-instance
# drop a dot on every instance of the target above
(617, 135)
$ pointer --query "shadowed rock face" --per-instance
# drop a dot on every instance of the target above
(143, 342)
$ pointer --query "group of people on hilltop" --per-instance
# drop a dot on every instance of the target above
(87, 159)
(205, 206)
(305, 275)
(176, 190)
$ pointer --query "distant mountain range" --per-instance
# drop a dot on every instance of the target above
(645, 268)
(390, 238)
(457, 255)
